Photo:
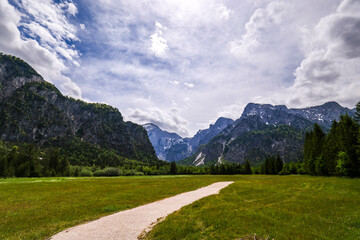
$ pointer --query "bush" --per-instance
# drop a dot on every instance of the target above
(108, 172)
(130, 172)
(112, 172)
(99, 173)
(85, 173)
(139, 174)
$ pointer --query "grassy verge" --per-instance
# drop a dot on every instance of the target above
(284, 207)
(33, 208)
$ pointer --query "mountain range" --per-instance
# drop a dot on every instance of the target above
(262, 130)
(35, 111)
(172, 147)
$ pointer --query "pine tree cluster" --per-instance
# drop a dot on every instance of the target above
(335, 153)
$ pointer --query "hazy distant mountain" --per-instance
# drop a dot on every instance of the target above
(264, 129)
(171, 147)
(34, 111)
(160, 139)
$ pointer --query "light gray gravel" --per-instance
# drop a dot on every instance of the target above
(129, 224)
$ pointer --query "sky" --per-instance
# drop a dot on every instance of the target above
(181, 64)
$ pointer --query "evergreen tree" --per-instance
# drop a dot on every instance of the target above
(267, 166)
(318, 141)
(173, 168)
(11, 160)
(262, 168)
(308, 149)
(3, 160)
(247, 167)
(278, 164)
(348, 141)
(357, 113)
(63, 167)
(330, 150)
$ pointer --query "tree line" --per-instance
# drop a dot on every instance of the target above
(336, 153)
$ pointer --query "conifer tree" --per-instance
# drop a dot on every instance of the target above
(357, 113)
(278, 164)
(348, 141)
(330, 151)
(173, 168)
(308, 149)
(247, 167)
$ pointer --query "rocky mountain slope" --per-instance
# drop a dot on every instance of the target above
(34, 111)
(264, 129)
(172, 147)
(160, 139)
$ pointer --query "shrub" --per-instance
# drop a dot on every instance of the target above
(112, 172)
(99, 173)
(139, 174)
(85, 173)
(130, 172)
(108, 172)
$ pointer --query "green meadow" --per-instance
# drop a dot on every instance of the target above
(282, 207)
(279, 207)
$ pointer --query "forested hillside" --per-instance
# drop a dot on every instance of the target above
(33, 111)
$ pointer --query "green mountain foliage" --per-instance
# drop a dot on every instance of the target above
(19, 68)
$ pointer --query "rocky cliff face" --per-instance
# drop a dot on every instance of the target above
(264, 129)
(35, 111)
(161, 140)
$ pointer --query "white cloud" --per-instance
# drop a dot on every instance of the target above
(72, 9)
(169, 121)
(332, 59)
(159, 44)
(82, 26)
(174, 82)
(189, 85)
(258, 25)
(51, 28)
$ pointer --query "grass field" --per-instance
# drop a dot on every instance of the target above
(38, 208)
(284, 207)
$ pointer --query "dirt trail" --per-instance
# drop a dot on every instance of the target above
(131, 223)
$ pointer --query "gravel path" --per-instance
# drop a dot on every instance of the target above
(131, 223)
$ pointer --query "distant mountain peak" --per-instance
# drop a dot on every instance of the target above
(223, 120)
(257, 108)
(15, 73)
(331, 104)
(171, 147)
(150, 126)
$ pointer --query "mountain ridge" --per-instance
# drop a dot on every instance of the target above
(172, 147)
(265, 129)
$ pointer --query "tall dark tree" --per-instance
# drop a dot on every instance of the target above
(11, 160)
(318, 140)
(278, 164)
(173, 168)
(348, 141)
(247, 167)
(330, 151)
(357, 113)
(308, 149)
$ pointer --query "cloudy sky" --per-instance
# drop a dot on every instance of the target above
(181, 64)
